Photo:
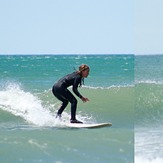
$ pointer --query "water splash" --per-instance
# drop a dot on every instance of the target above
(28, 106)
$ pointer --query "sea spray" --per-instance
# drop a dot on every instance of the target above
(24, 104)
(28, 106)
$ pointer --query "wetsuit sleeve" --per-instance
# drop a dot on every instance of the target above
(75, 87)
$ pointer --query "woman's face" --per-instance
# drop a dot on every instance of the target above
(85, 73)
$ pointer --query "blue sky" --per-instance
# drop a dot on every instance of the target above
(81, 26)
(148, 27)
(66, 26)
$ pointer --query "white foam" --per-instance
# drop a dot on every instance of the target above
(109, 87)
(24, 104)
(149, 82)
(28, 106)
(148, 144)
(139, 159)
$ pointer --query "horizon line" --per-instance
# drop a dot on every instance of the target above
(83, 54)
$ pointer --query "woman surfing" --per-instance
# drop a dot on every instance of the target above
(61, 92)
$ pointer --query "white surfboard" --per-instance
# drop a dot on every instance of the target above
(84, 125)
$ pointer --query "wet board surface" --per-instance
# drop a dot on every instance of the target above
(83, 125)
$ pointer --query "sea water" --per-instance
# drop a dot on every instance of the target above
(29, 131)
(149, 109)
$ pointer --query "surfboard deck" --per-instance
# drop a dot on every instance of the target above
(84, 125)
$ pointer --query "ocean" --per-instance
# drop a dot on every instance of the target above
(148, 109)
(31, 133)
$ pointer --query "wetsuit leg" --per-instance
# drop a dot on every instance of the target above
(59, 97)
(66, 96)
(69, 96)
(63, 106)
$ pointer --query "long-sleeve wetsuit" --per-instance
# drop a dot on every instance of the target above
(63, 94)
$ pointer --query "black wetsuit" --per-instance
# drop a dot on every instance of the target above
(63, 94)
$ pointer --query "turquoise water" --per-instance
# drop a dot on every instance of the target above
(148, 109)
(29, 130)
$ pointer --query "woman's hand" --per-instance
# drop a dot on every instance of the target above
(84, 99)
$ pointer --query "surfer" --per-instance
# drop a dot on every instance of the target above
(61, 92)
